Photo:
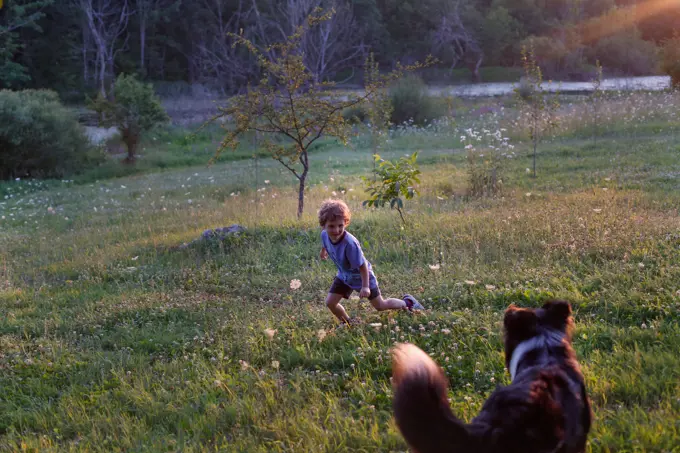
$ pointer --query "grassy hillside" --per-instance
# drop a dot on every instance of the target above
(115, 338)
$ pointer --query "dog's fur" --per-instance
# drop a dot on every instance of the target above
(544, 410)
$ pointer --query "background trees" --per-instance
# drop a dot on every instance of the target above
(77, 45)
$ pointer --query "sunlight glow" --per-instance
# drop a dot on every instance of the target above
(622, 18)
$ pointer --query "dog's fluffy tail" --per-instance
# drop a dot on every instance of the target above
(421, 406)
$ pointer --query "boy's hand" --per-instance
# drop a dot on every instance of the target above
(324, 254)
(365, 292)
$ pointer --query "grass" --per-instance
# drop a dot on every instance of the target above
(113, 338)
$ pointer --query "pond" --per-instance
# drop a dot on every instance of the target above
(652, 83)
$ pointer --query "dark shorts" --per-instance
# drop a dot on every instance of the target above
(340, 287)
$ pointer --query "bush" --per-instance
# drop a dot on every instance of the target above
(355, 115)
(670, 60)
(135, 109)
(411, 101)
(39, 137)
(626, 52)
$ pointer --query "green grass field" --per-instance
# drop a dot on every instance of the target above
(113, 338)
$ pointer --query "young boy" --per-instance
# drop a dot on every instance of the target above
(354, 271)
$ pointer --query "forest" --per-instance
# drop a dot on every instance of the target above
(77, 47)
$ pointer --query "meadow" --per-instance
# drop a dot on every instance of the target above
(115, 337)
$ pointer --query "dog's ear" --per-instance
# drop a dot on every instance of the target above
(519, 322)
(557, 314)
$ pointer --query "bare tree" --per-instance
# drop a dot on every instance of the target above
(106, 22)
(335, 45)
(217, 59)
(147, 11)
(453, 39)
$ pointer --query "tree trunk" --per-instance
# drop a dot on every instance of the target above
(142, 46)
(301, 194)
(130, 140)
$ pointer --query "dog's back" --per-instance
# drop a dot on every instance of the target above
(544, 410)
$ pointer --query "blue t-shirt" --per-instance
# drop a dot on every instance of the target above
(348, 258)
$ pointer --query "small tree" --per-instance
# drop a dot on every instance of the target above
(290, 107)
(540, 110)
(393, 182)
(596, 99)
(135, 109)
(379, 107)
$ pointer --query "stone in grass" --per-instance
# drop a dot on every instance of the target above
(217, 233)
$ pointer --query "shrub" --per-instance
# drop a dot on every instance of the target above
(411, 101)
(355, 115)
(670, 60)
(39, 137)
(626, 52)
(135, 109)
(393, 181)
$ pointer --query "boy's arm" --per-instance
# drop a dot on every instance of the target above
(365, 289)
(324, 253)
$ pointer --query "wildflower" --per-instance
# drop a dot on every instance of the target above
(597, 211)
(643, 326)
(295, 284)
(244, 365)
(446, 331)
(266, 181)
(527, 171)
(470, 282)
(528, 194)
(490, 287)
(275, 364)
(434, 267)
(134, 258)
(376, 325)
(321, 334)
(269, 333)
(641, 265)
(334, 193)
(217, 383)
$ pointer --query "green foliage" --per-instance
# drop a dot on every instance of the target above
(135, 109)
(355, 115)
(670, 60)
(39, 137)
(14, 16)
(627, 52)
(394, 181)
(411, 102)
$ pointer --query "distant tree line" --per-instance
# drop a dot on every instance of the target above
(76, 46)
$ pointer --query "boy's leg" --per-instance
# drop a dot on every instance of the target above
(381, 304)
(333, 304)
(409, 303)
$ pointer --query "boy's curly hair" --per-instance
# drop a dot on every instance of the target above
(333, 209)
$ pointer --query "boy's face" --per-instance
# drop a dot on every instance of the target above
(335, 227)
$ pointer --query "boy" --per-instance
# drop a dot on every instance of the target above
(354, 271)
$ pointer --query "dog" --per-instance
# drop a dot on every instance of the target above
(544, 410)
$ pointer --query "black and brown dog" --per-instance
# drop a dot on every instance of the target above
(544, 410)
